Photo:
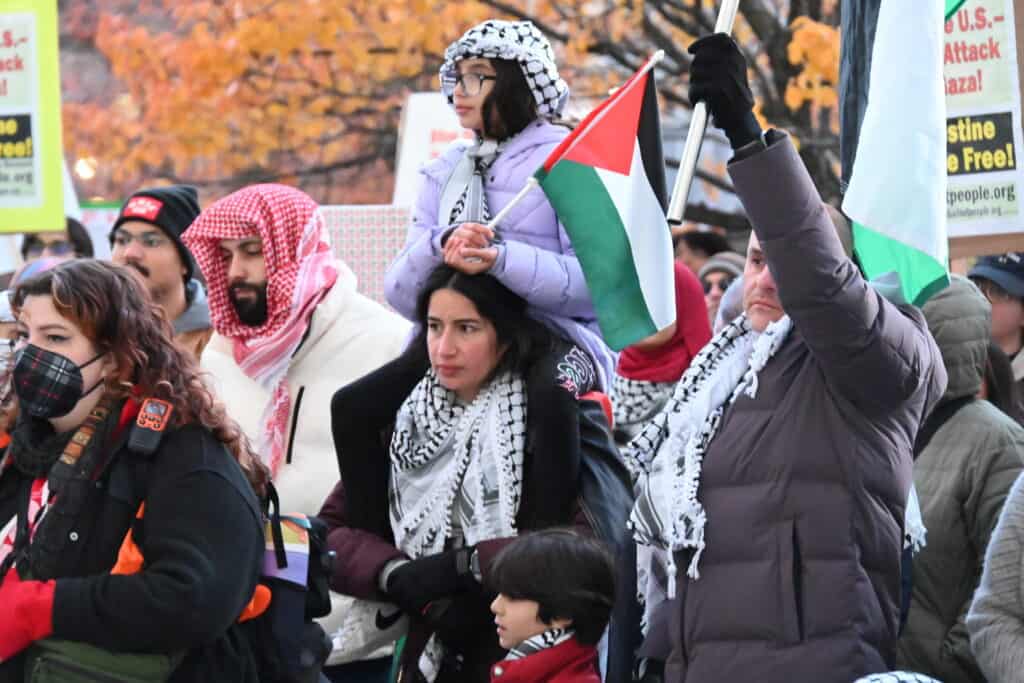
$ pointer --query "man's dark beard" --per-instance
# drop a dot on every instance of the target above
(252, 312)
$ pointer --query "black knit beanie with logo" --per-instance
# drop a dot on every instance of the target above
(171, 208)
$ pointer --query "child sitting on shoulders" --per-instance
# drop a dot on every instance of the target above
(555, 594)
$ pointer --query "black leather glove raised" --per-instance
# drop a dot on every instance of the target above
(718, 77)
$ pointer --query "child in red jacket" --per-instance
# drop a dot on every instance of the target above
(555, 593)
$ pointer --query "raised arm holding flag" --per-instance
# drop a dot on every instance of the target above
(776, 477)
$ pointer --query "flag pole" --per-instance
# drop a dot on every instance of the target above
(533, 182)
(695, 135)
(530, 184)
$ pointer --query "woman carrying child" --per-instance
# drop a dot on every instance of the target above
(502, 80)
(439, 474)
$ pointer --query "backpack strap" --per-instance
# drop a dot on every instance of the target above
(938, 417)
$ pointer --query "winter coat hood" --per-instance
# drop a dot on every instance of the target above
(960, 318)
(197, 315)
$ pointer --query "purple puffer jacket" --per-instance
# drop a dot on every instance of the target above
(535, 259)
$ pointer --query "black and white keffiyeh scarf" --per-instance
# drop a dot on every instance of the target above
(666, 456)
(636, 401)
(518, 41)
(542, 641)
(465, 191)
(457, 466)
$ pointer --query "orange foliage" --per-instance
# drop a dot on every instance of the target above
(224, 93)
(815, 49)
(227, 92)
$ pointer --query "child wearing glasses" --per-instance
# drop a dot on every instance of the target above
(503, 83)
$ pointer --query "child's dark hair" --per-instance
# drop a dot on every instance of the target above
(510, 107)
(568, 575)
(525, 338)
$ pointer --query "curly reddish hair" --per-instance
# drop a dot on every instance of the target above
(115, 312)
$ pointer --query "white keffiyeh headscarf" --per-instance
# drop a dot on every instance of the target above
(666, 456)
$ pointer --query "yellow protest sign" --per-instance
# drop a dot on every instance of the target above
(31, 156)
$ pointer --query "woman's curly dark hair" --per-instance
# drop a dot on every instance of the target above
(115, 312)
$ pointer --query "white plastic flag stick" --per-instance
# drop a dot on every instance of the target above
(698, 123)
(530, 184)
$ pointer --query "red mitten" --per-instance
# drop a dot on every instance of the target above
(26, 613)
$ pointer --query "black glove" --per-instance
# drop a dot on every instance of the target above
(415, 584)
(718, 77)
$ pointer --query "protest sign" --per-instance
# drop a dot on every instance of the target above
(983, 127)
(428, 126)
(31, 162)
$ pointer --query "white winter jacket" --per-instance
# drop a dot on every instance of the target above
(350, 335)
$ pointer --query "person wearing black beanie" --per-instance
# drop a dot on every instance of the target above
(146, 237)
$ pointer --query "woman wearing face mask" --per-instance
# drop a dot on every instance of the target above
(83, 469)
(502, 80)
(433, 485)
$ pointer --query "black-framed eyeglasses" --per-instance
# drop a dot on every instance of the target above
(722, 284)
(471, 84)
(148, 240)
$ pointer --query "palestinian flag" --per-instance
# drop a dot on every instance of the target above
(607, 184)
(897, 187)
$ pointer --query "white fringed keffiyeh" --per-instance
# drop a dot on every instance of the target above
(636, 401)
(456, 466)
(667, 455)
(914, 532)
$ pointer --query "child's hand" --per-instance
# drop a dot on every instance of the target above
(471, 261)
(474, 234)
(467, 235)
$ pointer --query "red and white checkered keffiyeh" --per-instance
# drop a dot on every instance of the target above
(300, 271)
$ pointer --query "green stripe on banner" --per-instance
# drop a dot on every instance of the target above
(952, 6)
(581, 199)
(921, 275)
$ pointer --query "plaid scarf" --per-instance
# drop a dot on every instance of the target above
(666, 456)
(300, 271)
(542, 641)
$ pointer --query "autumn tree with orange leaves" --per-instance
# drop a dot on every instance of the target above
(222, 93)
(225, 93)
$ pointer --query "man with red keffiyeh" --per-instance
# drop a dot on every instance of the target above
(290, 330)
